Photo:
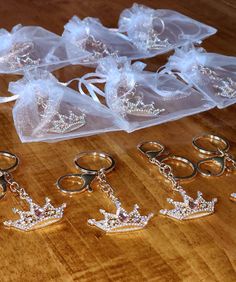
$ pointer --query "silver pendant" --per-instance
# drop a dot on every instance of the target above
(121, 221)
(36, 217)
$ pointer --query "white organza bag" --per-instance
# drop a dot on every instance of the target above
(140, 98)
(46, 110)
(90, 36)
(28, 47)
(158, 31)
(212, 74)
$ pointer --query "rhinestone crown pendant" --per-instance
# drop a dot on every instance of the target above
(190, 208)
(36, 217)
(21, 55)
(60, 123)
(225, 87)
(121, 221)
(132, 103)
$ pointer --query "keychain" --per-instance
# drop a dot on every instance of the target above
(188, 208)
(219, 156)
(121, 221)
(37, 216)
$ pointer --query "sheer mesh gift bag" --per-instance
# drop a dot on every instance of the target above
(90, 36)
(159, 31)
(28, 47)
(212, 74)
(46, 110)
(141, 98)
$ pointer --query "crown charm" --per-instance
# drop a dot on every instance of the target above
(96, 48)
(233, 197)
(224, 87)
(20, 55)
(154, 42)
(190, 208)
(60, 123)
(37, 216)
(132, 103)
(68, 123)
(121, 221)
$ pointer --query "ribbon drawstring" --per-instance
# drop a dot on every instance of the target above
(8, 99)
(88, 81)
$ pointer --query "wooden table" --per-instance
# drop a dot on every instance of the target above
(198, 250)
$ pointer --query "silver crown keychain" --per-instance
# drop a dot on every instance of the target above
(189, 208)
(218, 156)
(36, 216)
(121, 220)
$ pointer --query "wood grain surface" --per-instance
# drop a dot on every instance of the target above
(167, 250)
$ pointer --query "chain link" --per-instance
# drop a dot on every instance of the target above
(167, 171)
(14, 186)
(228, 157)
(105, 186)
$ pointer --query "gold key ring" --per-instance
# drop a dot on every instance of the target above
(184, 160)
(94, 154)
(219, 157)
(212, 138)
(160, 153)
(3, 182)
(88, 175)
(5, 154)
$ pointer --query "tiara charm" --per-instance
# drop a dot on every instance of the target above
(224, 87)
(97, 48)
(36, 217)
(190, 208)
(154, 42)
(121, 221)
(60, 123)
(20, 55)
(132, 103)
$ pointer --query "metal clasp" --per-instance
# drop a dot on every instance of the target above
(151, 154)
(87, 179)
(3, 185)
(220, 155)
(163, 156)
(88, 174)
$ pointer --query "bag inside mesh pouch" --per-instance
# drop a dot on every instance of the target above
(142, 99)
(48, 111)
(28, 47)
(212, 74)
(158, 31)
(90, 36)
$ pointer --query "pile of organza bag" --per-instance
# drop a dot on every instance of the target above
(119, 94)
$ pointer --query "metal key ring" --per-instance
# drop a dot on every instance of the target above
(101, 155)
(89, 174)
(151, 153)
(211, 138)
(3, 182)
(86, 181)
(10, 156)
(185, 161)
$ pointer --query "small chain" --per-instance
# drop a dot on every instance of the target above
(15, 187)
(106, 187)
(167, 171)
(228, 157)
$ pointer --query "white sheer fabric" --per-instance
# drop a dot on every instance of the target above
(212, 74)
(159, 31)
